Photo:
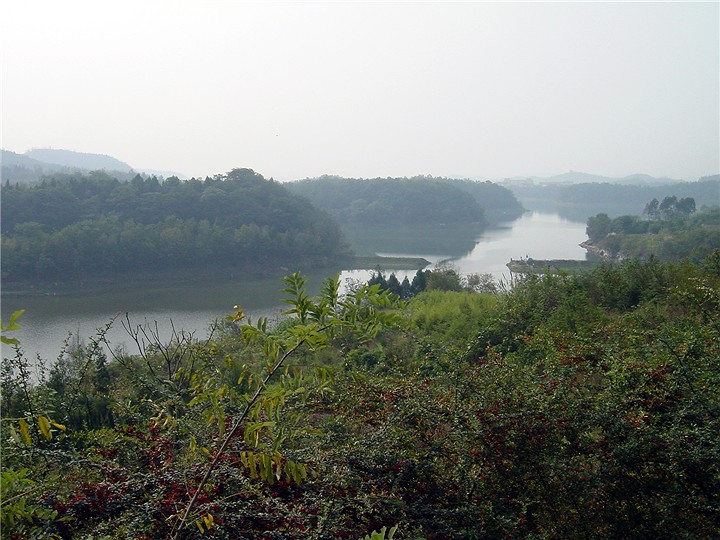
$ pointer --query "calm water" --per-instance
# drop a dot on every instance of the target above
(536, 235)
(49, 320)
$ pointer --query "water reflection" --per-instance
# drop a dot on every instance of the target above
(435, 242)
(537, 235)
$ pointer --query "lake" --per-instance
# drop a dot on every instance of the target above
(49, 319)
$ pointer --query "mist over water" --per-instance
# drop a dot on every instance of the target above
(49, 320)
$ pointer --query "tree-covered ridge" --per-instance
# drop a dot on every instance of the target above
(399, 201)
(498, 202)
(73, 225)
(572, 406)
(705, 191)
(669, 230)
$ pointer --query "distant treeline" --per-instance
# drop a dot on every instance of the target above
(580, 201)
(74, 225)
(418, 200)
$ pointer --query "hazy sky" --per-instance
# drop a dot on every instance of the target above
(296, 90)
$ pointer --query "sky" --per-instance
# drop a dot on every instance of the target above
(293, 90)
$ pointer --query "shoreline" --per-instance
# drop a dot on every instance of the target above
(540, 266)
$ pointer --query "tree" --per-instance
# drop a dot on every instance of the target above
(651, 209)
(686, 206)
(598, 227)
(667, 207)
(444, 279)
(419, 281)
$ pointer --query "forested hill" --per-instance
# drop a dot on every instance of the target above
(408, 201)
(74, 225)
(32, 166)
(581, 201)
(498, 202)
(705, 191)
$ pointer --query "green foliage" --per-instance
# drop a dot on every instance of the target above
(382, 534)
(418, 200)
(676, 237)
(598, 227)
(451, 316)
(9, 327)
(18, 513)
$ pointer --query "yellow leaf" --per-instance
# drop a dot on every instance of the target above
(44, 425)
(61, 427)
(24, 431)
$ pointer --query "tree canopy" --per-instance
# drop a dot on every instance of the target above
(403, 201)
(672, 232)
(73, 225)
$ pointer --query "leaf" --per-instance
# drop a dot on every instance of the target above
(25, 431)
(296, 471)
(252, 432)
(197, 399)
(266, 471)
(61, 427)
(12, 324)
(44, 425)
(251, 466)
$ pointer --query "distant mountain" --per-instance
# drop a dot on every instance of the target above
(571, 177)
(21, 168)
(79, 160)
(33, 164)
(576, 177)
(646, 179)
(11, 159)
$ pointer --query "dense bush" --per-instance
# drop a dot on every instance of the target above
(572, 406)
